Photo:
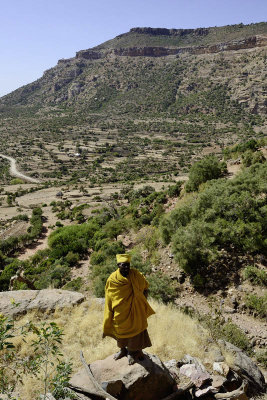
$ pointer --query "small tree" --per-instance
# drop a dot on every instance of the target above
(204, 170)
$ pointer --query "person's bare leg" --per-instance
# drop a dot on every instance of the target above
(121, 353)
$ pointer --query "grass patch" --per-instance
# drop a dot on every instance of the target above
(83, 330)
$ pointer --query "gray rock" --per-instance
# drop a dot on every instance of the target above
(246, 368)
(221, 367)
(218, 381)
(148, 379)
(172, 367)
(20, 301)
(195, 373)
(81, 382)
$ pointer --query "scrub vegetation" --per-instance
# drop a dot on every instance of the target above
(189, 337)
(160, 157)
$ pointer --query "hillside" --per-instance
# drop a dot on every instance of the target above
(159, 72)
(152, 143)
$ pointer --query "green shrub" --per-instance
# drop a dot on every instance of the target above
(100, 276)
(225, 330)
(233, 334)
(255, 275)
(106, 251)
(72, 258)
(261, 357)
(160, 287)
(257, 304)
(138, 263)
(7, 273)
(114, 227)
(75, 284)
(249, 158)
(204, 170)
(73, 238)
(56, 276)
(225, 214)
(175, 190)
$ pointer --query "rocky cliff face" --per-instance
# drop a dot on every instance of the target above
(148, 76)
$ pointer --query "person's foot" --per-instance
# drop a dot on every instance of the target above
(131, 358)
(120, 354)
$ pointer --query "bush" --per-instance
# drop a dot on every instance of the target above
(75, 284)
(72, 258)
(160, 287)
(56, 276)
(100, 275)
(204, 170)
(175, 190)
(228, 331)
(106, 251)
(226, 214)
(138, 263)
(261, 357)
(257, 304)
(233, 334)
(255, 275)
(73, 238)
(249, 158)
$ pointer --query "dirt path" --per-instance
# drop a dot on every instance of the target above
(14, 172)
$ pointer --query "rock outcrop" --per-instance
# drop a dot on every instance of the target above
(246, 368)
(158, 51)
(21, 301)
(248, 43)
(148, 379)
(153, 380)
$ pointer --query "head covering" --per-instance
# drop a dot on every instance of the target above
(123, 258)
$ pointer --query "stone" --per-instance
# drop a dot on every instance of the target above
(20, 301)
(217, 355)
(218, 381)
(172, 367)
(246, 368)
(195, 373)
(81, 382)
(221, 367)
(147, 379)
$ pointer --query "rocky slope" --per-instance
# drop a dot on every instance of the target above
(167, 73)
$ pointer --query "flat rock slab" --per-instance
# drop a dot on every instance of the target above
(145, 380)
(17, 302)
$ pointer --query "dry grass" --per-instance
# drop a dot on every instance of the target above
(173, 335)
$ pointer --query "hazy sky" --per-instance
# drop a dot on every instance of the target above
(34, 34)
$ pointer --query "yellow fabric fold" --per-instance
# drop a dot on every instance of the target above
(126, 307)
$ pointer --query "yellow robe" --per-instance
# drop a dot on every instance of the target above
(126, 307)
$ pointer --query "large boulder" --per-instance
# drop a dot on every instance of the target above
(246, 368)
(148, 379)
(17, 302)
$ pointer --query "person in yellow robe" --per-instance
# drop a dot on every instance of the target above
(127, 310)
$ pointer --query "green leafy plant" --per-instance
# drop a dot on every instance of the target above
(255, 275)
(45, 362)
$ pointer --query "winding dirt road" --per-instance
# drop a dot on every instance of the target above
(14, 172)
